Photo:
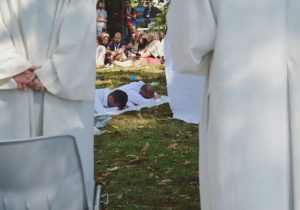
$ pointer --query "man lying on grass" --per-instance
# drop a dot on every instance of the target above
(139, 93)
(105, 98)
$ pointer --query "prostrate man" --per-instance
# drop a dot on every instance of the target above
(55, 96)
(140, 93)
(106, 98)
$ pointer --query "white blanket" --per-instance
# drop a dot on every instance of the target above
(185, 99)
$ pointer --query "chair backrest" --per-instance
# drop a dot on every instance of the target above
(41, 174)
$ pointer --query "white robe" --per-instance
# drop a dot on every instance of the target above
(134, 97)
(185, 91)
(60, 36)
(101, 103)
(249, 51)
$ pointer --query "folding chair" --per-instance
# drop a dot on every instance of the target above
(43, 173)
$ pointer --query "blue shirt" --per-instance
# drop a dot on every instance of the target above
(140, 10)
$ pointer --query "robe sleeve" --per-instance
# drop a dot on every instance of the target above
(191, 32)
(69, 73)
(11, 61)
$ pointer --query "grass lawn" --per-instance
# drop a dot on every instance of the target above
(146, 159)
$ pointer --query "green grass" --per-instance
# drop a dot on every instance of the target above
(147, 160)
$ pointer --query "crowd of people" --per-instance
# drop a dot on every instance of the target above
(135, 46)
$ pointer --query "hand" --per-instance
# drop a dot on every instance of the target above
(25, 79)
(37, 85)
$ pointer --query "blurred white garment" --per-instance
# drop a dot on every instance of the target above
(100, 56)
(60, 36)
(185, 91)
(249, 52)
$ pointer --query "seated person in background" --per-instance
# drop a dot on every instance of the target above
(142, 44)
(161, 35)
(100, 53)
(105, 39)
(134, 42)
(118, 47)
(153, 48)
(105, 98)
(151, 54)
(139, 93)
(153, 51)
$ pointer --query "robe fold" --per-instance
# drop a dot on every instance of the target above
(249, 52)
(59, 35)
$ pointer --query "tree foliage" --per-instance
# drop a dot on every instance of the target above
(161, 20)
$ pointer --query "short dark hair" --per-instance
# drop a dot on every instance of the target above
(147, 91)
(120, 98)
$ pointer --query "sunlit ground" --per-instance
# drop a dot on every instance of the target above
(146, 159)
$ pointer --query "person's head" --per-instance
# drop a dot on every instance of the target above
(109, 56)
(127, 4)
(142, 41)
(100, 5)
(133, 36)
(118, 37)
(99, 41)
(140, 2)
(117, 98)
(147, 91)
(105, 39)
(152, 36)
(148, 3)
(161, 35)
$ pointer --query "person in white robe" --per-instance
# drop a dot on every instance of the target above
(54, 43)
(135, 97)
(106, 99)
(101, 102)
(187, 88)
(249, 52)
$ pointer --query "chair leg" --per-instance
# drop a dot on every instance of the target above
(99, 198)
